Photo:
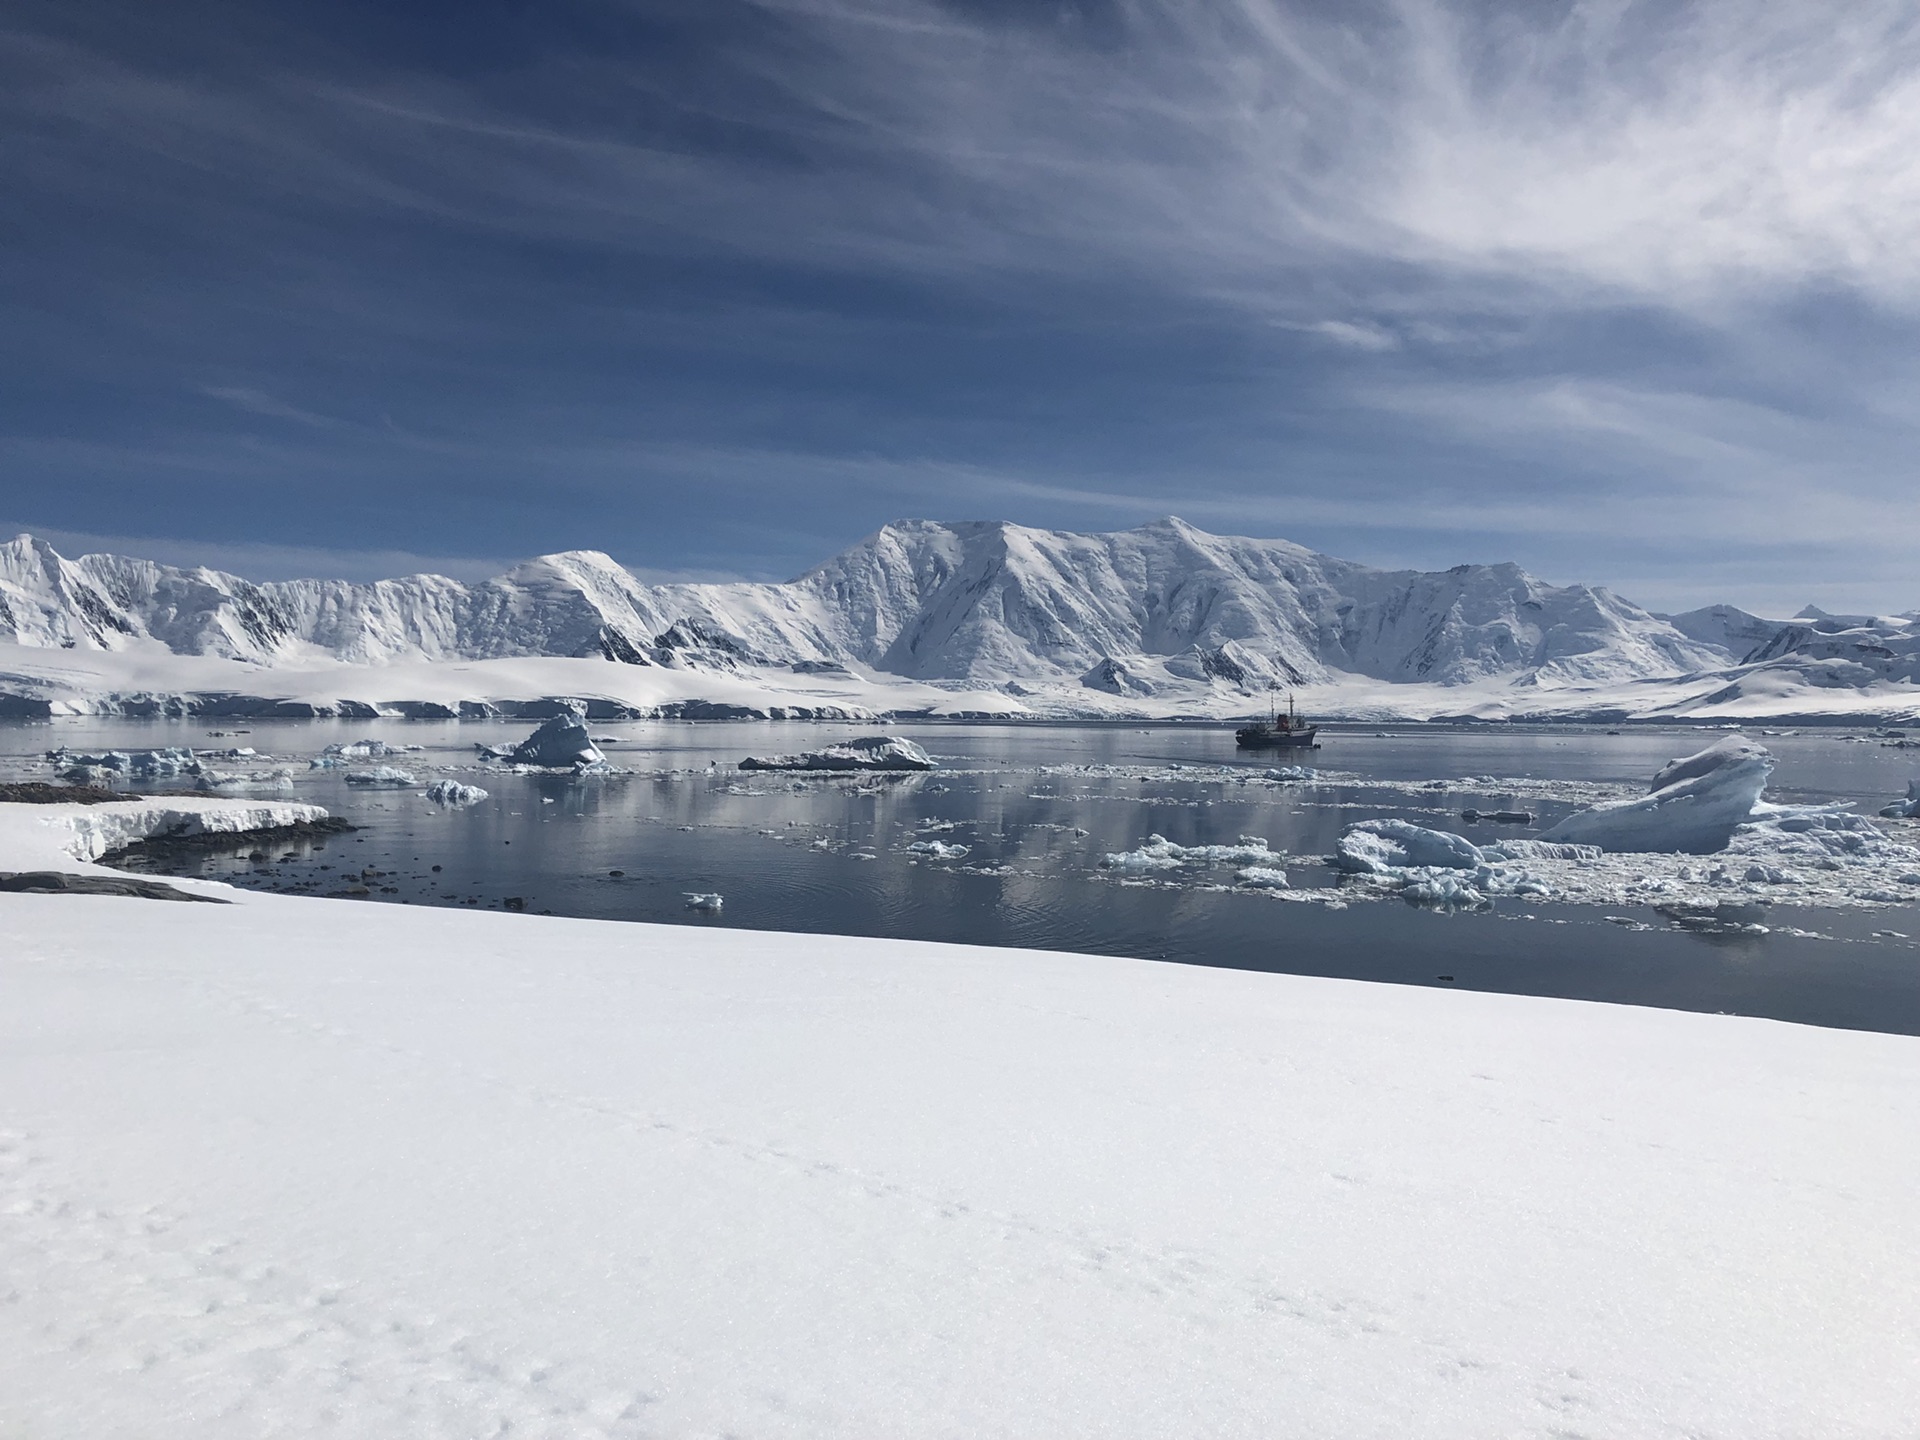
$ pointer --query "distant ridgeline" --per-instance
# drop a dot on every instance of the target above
(1163, 610)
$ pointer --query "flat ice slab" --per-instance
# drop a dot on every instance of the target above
(307, 1167)
(869, 752)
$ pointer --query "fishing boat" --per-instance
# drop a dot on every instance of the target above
(1278, 732)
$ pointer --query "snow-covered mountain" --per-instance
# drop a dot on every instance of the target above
(1165, 606)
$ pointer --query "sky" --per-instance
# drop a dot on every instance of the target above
(1627, 293)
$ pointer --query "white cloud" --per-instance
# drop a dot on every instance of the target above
(257, 402)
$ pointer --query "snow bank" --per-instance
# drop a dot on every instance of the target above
(305, 1167)
(870, 752)
(42, 837)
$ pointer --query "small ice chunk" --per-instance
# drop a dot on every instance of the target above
(360, 750)
(1160, 853)
(933, 849)
(1294, 773)
(453, 793)
(697, 900)
(1907, 809)
(1264, 877)
(384, 777)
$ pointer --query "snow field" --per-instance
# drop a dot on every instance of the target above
(300, 1167)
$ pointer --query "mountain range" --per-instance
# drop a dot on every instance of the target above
(1155, 613)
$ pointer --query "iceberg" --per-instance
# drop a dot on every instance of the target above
(384, 777)
(1693, 808)
(870, 752)
(1380, 847)
(453, 793)
(560, 743)
(362, 750)
(1907, 809)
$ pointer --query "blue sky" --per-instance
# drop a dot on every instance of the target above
(1627, 293)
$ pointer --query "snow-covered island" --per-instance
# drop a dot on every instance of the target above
(930, 619)
(299, 1167)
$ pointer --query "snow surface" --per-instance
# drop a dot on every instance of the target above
(305, 1167)
(52, 837)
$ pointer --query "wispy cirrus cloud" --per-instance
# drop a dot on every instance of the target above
(1400, 277)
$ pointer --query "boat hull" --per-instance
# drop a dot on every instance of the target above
(1262, 737)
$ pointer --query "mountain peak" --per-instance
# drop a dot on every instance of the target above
(974, 602)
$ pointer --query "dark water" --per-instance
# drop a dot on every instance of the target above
(830, 855)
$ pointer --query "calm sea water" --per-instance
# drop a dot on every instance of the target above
(831, 855)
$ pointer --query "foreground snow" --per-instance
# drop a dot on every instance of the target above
(301, 1167)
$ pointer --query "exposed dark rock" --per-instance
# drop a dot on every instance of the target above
(160, 851)
(56, 882)
(38, 792)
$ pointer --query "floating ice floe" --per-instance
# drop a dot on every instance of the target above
(384, 777)
(1907, 809)
(869, 752)
(935, 850)
(361, 750)
(560, 743)
(160, 764)
(1161, 854)
(1293, 773)
(1263, 877)
(453, 793)
(211, 780)
(704, 901)
(1703, 837)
